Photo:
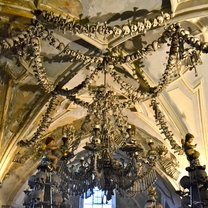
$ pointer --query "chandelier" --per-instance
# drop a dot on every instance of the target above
(114, 159)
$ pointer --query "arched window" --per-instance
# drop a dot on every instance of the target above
(98, 200)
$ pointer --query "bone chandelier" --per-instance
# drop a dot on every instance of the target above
(184, 49)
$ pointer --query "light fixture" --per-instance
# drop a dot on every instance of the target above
(114, 160)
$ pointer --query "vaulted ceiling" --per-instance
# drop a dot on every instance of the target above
(24, 102)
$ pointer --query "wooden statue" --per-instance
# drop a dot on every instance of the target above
(51, 148)
(189, 148)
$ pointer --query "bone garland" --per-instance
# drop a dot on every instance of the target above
(159, 118)
(19, 39)
(99, 59)
(74, 99)
(46, 119)
(82, 85)
(37, 66)
(78, 27)
(171, 65)
(44, 123)
(194, 42)
(133, 94)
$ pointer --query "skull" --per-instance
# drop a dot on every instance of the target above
(109, 31)
(185, 182)
(37, 196)
(155, 22)
(41, 176)
(34, 41)
(140, 26)
(92, 29)
(5, 44)
(201, 175)
(101, 29)
(55, 180)
(160, 20)
(147, 24)
(117, 30)
(166, 16)
(134, 28)
(126, 30)
(32, 181)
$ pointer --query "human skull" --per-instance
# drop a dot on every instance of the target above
(134, 28)
(140, 26)
(37, 196)
(126, 30)
(117, 30)
(201, 175)
(5, 44)
(41, 176)
(56, 180)
(34, 41)
(166, 16)
(160, 20)
(147, 24)
(32, 181)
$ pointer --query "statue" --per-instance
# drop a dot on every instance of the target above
(189, 148)
(197, 181)
(50, 148)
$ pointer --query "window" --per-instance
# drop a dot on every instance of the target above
(98, 200)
